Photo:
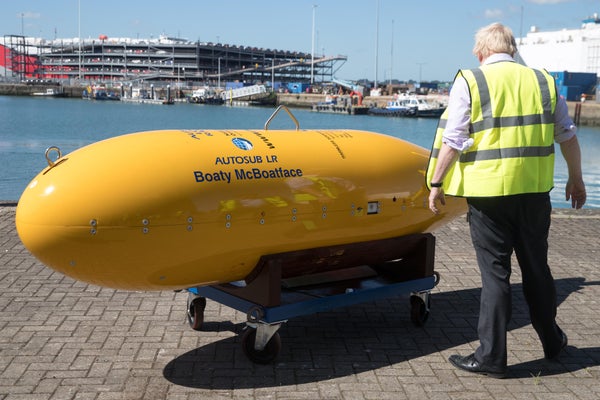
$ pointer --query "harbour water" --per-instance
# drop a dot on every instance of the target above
(28, 126)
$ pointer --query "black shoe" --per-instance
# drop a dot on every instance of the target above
(563, 344)
(470, 364)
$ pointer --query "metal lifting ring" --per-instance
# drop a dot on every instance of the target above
(58, 155)
(277, 112)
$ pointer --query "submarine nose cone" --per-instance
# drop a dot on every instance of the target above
(37, 215)
(52, 215)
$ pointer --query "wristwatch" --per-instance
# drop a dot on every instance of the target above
(436, 184)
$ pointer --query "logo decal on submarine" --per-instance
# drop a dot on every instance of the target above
(242, 143)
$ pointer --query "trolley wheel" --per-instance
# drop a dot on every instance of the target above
(195, 312)
(419, 311)
(436, 277)
(265, 356)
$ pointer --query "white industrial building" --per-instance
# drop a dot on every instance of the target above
(573, 50)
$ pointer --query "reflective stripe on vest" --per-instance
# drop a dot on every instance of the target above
(497, 164)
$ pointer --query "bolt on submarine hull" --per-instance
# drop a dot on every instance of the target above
(174, 209)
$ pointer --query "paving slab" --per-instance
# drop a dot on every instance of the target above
(61, 339)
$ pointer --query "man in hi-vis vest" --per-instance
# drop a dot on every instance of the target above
(495, 147)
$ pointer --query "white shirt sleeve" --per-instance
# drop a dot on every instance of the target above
(456, 133)
(564, 128)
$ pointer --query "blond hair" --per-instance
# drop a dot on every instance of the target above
(494, 38)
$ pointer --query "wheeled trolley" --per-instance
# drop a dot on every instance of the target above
(287, 285)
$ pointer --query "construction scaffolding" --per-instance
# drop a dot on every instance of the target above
(16, 58)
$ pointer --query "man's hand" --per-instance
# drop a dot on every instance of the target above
(436, 194)
(574, 191)
(575, 188)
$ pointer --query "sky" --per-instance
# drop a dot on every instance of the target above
(420, 40)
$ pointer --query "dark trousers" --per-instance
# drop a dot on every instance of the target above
(499, 226)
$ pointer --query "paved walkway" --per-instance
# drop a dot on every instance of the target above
(63, 340)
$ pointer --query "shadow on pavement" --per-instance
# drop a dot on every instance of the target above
(366, 337)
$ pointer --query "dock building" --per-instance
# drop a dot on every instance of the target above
(158, 59)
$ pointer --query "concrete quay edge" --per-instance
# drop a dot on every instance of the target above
(589, 114)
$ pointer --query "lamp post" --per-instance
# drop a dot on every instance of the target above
(376, 42)
(79, 34)
(392, 56)
(312, 52)
(420, 71)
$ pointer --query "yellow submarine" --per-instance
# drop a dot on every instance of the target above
(174, 209)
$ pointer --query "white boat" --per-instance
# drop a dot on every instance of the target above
(394, 108)
(422, 106)
(50, 92)
(206, 95)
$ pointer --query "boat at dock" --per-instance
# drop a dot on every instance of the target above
(394, 108)
(206, 95)
(408, 106)
(100, 93)
(49, 92)
(423, 108)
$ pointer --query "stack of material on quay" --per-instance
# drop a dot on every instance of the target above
(342, 104)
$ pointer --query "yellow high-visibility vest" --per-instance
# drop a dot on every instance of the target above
(512, 126)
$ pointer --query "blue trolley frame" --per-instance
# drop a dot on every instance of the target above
(292, 284)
